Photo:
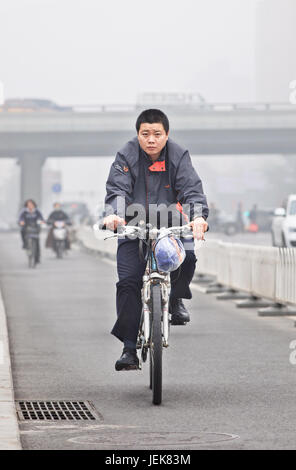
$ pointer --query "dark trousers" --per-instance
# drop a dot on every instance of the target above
(23, 235)
(130, 269)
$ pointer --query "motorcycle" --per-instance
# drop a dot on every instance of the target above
(59, 238)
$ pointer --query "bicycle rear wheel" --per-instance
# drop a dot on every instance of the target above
(156, 346)
(150, 370)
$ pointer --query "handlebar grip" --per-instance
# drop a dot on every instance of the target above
(104, 227)
(119, 229)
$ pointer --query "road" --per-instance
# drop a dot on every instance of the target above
(228, 382)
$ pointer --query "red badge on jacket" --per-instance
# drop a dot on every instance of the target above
(157, 166)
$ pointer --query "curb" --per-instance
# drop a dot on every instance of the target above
(9, 430)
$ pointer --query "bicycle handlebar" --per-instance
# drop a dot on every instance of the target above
(123, 230)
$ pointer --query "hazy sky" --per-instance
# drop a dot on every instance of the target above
(94, 51)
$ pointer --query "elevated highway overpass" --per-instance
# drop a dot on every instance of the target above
(206, 129)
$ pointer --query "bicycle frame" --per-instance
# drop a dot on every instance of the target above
(154, 328)
(153, 276)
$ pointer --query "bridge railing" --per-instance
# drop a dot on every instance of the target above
(200, 107)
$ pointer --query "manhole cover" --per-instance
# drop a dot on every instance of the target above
(154, 439)
(55, 410)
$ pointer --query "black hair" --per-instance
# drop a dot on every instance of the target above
(153, 115)
(32, 201)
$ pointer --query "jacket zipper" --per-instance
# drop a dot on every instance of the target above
(147, 176)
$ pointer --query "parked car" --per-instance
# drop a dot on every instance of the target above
(283, 229)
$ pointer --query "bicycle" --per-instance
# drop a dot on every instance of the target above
(154, 328)
(32, 236)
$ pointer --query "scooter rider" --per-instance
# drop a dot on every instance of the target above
(57, 215)
(151, 170)
(30, 215)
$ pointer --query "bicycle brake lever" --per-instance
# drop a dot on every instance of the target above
(110, 236)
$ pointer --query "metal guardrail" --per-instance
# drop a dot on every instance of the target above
(266, 272)
(260, 271)
(105, 108)
(286, 277)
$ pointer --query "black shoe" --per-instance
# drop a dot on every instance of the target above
(180, 315)
(128, 360)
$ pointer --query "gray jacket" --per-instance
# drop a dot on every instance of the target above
(134, 177)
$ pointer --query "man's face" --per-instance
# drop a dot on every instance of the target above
(57, 206)
(30, 206)
(152, 138)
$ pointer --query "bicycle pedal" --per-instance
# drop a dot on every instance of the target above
(176, 323)
(129, 368)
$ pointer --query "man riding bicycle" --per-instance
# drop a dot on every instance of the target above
(151, 176)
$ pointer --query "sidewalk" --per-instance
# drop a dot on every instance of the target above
(9, 431)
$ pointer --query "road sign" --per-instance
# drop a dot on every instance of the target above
(56, 187)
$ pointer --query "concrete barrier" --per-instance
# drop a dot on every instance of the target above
(94, 241)
(9, 431)
(208, 264)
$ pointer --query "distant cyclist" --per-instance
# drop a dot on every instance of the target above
(30, 215)
(151, 170)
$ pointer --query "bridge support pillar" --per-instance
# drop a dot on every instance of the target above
(31, 177)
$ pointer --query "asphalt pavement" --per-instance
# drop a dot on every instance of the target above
(228, 381)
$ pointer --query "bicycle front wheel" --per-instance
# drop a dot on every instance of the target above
(156, 346)
(34, 253)
(30, 252)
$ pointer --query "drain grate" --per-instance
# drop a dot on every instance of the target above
(55, 410)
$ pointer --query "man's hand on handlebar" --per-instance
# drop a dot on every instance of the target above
(199, 227)
(112, 221)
